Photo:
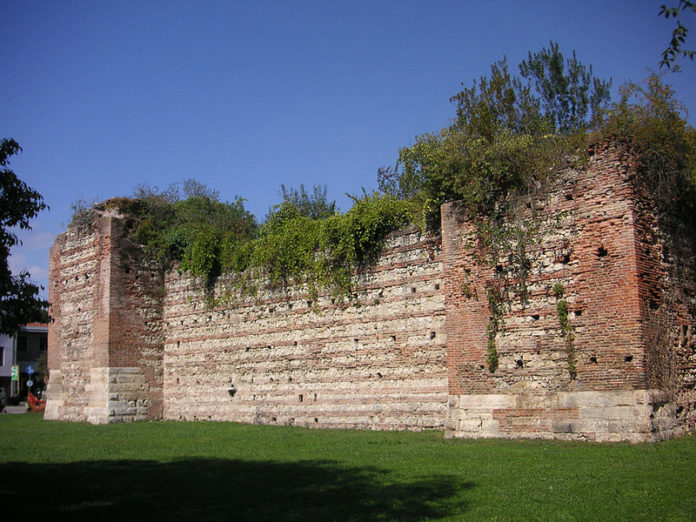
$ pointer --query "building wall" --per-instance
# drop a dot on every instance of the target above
(106, 336)
(409, 349)
(592, 242)
(6, 361)
(376, 360)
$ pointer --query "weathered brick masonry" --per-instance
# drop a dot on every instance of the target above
(130, 345)
(376, 361)
(107, 335)
(602, 245)
(409, 349)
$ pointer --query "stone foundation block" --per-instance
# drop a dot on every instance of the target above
(634, 416)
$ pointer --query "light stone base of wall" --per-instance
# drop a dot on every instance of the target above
(54, 397)
(97, 410)
(602, 416)
(117, 395)
(340, 407)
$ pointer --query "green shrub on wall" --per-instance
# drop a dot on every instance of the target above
(286, 252)
(567, 330)
(511, 134)
(329, 252)
(202, 255)
(303, 241)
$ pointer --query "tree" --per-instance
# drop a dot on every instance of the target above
(298, 203)
(552, 94)
(19, 297)
(569, 95)
(510, 131)
(315, 205)
(675, 50)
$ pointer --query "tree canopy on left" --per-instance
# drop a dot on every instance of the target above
(19, 296)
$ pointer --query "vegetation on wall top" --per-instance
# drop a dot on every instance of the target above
(304, 239)
(512, 133)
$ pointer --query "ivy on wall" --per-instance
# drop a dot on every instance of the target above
(566, 328)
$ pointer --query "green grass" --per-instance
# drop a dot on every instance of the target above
(223, 471)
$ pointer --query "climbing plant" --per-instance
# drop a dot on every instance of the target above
(495, 322)
(566, 328)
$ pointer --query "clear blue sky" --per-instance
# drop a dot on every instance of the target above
(244, 96)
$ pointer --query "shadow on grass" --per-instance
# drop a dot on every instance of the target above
(222, 490)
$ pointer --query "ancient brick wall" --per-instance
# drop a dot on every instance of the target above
(591, 382)
(666, 253)
(376, 360)
(594, 339)
(136, 328)
(106, 336)
(75, 289)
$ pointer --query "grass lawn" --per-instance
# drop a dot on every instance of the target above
(222, 471)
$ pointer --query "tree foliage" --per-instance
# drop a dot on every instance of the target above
(315, 205)
(675, 49)
(551, 95)
(190, 230)
(512, 131)
(569, 95)
(19, 297)
(665, 144)
(509, 131)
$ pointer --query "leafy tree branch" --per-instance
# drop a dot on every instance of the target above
(675, 49)
(19, 203)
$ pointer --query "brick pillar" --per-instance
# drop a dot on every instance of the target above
(106, 343)
(135, 325)
(591, 245)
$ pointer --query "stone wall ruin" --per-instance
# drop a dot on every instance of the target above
(409, 349)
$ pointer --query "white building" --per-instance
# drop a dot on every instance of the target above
(22, 349)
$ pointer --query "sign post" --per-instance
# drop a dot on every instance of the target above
(14, 388)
